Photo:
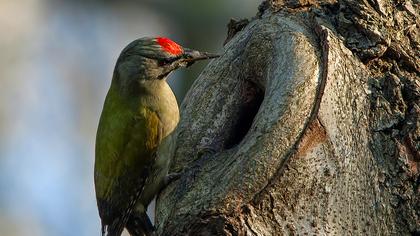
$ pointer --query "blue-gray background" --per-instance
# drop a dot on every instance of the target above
(56, 61)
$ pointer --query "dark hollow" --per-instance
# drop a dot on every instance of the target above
(251, 99)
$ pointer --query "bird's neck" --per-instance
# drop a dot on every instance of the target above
(137, 87)
(155, 94)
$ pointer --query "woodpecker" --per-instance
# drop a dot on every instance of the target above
(139, 112)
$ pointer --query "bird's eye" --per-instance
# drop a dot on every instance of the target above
(166, 61)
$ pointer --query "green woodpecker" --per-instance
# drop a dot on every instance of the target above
(140, 110)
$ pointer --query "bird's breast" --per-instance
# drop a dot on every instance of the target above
(162, 100)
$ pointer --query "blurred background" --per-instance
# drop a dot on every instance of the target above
(56, 62)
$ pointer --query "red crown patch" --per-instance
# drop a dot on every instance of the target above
(169, 46)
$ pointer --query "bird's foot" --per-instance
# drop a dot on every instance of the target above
(169, 178)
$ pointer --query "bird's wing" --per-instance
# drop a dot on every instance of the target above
(126, 144)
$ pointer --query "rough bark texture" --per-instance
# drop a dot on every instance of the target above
(309, 124)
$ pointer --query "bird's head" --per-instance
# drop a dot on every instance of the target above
(154, 58)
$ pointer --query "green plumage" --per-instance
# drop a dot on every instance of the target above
(128, 135)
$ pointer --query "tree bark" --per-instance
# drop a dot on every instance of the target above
(308, 124)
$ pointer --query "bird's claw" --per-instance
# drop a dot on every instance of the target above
(169, 178)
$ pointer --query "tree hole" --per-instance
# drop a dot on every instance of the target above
(249, 104)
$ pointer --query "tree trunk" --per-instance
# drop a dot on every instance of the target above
(308, 124)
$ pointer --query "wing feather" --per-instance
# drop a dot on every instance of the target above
(126, 142)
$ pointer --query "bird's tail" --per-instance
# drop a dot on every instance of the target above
(113, 229)
(103, 228)
(139, 224)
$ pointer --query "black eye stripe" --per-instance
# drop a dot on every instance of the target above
(165, 61)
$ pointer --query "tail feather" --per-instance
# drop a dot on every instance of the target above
(139, 224)
(113, 229)
(103, 227)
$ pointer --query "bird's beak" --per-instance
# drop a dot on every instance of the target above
(190, 56)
